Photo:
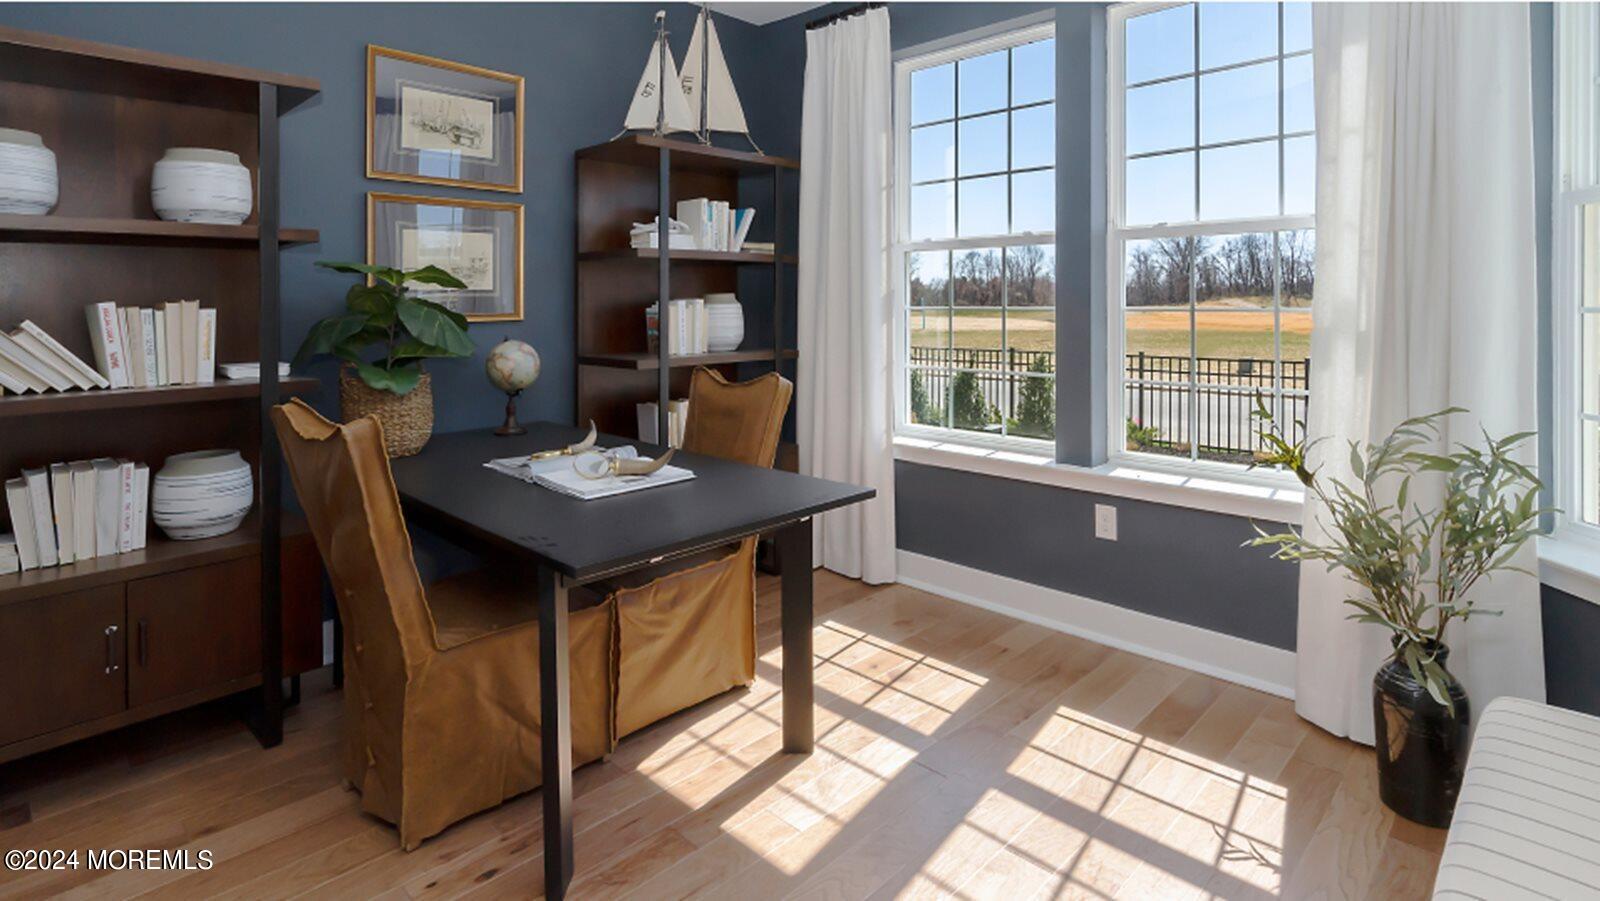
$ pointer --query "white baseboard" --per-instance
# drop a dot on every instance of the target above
(1237, 660)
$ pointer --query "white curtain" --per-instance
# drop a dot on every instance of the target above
(1425, 298)
(846, 391)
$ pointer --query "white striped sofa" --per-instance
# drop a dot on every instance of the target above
(1527, 824)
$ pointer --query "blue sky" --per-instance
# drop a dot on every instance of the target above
(1238, 107)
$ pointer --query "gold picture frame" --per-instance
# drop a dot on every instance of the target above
(467, 109)
(499, 295)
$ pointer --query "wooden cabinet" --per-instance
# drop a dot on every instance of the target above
(194, 628)
(62, 661)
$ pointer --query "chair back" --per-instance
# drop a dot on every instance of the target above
(341, 473)
(737, 421)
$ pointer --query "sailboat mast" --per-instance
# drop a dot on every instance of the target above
(661, 79)
(705, 73)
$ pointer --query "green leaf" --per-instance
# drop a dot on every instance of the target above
(413, 350)
(433, 275)
(432, 324)
(398, 380)
(376, 302)
(328, 334)
(386, 273)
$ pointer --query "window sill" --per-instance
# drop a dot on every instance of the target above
(1259, 497)
(1571, 565)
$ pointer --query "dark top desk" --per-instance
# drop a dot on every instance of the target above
(573, 541)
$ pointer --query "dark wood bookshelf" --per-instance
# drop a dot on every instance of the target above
(16, 227)
(12, 405)
(634, 179)
(125, 637)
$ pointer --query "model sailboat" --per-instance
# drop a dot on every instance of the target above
(707, 101)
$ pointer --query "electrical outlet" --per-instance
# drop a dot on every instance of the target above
(1105, 522)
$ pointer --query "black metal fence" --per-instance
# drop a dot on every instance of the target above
(1156, 394)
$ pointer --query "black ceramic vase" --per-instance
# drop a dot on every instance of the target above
(1422, 748)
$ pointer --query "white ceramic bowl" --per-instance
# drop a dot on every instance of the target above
(193, 184)
(28, 182)
(724, 323)
(202, 494)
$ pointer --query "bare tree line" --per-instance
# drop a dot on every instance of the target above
(1159, 270)
(1029, 274)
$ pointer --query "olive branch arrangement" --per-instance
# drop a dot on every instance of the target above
(1416, 566)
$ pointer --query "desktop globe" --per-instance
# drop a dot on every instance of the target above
(511, 366)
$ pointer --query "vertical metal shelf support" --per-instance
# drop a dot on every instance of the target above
(663, 293)
(269, 722)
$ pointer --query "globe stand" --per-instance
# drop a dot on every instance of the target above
(511, 426)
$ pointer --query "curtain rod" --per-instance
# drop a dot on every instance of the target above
(856, 10)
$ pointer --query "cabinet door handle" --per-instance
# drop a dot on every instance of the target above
(111, 650)
(144, 642)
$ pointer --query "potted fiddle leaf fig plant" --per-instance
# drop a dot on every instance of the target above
(383, 337)
(1412, 570)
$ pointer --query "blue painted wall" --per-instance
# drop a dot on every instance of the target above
(581, 62)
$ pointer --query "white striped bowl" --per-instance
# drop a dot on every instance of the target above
(202, 494)
(192, 184)
(28, 182)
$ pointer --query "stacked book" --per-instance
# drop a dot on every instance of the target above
(714, 224)
(686, 331)
(647, 236)
(175, 344)
(677, 418)
(31, 360)
(250, 371)
(76, 511)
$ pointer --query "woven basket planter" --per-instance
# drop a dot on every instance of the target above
(407, 419)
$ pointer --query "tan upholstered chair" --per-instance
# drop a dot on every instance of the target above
(689, 633)
(442, 684)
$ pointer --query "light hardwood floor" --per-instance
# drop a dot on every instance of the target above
(960, 754)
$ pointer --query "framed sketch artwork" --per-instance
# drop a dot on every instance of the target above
(477, 241)
(442, 123)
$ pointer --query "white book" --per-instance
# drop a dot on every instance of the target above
(567, 481)
(62, 508)
(73, 361)
(9, 561)
(20, 508)
(125, 513)
(172, 311)
(132, 345)
(159, 318)
(83, 510)
(44, 526)
(746, 216)
(14, 376)
(701, 327)
(206, 360)
(147, 334)
(696, 214)
(105, 336)
(22, 357)
(47, 359)
(191, 341)
(107, 505)
(677, 418)
(141, 504)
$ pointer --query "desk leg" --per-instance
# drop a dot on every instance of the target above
(555, 728)
(794, 558)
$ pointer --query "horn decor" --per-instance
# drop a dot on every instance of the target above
(599, 465)
(571, 449)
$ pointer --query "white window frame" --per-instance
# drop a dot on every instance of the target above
(1117, 236)
(903, 247)
(1576, 184)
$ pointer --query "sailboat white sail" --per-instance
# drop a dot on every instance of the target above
(654, 109)
(704, 67)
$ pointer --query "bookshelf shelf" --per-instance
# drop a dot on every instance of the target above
(643, 360)
(14, 405)
(645, 151)
(92, 230)
(160, 555)
(686, 256)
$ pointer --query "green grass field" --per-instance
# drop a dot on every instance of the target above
(1238, 332)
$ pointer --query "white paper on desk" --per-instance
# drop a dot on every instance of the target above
(558, 474)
